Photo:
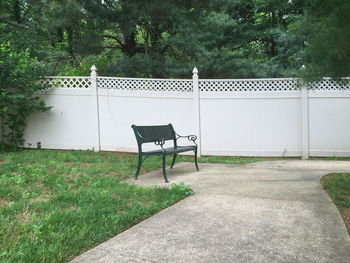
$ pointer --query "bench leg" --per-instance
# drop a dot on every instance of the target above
(164, 173)
(173, 162)
(138, 166)
(195, 159)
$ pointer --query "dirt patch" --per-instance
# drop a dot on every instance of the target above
(36, 186)
(23, 217)
(326, 178)
(42, 198)
(70, 164)
(3, 161)
(3, 202)
(70, 177)
(121, 153)
(113, 174)
(345, 213)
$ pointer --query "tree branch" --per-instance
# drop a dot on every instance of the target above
(12, 23)
(115, 38)
(112, 47)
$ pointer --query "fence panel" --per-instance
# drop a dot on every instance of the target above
(67, 125)
(252, 117)
(329, 113)
(119, 110)
(251, 125)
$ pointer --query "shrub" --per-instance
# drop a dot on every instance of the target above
(20, 76)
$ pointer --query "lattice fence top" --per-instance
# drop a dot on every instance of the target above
(329, 85)
(185, 85)
(248, 85)
(182, 85)
(68, 82)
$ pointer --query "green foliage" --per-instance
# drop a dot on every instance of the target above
(327, 39)
(19, 80)
(55, 205)
(224, 39)
(182, 188)
(338, 187)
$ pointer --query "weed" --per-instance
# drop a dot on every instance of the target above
(182, 188)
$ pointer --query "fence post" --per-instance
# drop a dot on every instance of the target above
(196, 101)
(96, 117)
(305, 122)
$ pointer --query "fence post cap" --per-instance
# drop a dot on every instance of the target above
(195, 70)
(93, 68)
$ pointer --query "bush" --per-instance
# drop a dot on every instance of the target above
(20, 76)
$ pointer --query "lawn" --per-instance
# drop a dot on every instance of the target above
(337, 186)
(55, 205)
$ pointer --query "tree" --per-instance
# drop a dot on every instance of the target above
(241, 39)
(19, 80)
(326, 29)
(225, 39)
(147, 36)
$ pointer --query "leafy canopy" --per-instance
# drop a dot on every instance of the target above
(224, 39)
(326, 27)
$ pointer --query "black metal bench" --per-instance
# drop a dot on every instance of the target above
(158, 135)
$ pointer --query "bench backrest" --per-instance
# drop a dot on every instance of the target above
(146, 134)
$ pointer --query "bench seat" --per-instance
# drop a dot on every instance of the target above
(171, 150)
(159, 135)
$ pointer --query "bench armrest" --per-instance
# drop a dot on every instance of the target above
(192, 138)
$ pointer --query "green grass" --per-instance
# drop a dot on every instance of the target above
(238, 160)
(338, 187)
(57, 204)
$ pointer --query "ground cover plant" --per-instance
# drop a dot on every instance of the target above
(57, 204)
(337, 186)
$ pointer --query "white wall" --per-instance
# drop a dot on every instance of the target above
(250, 123)
(329, 118)
(68, 125)
(120, 109)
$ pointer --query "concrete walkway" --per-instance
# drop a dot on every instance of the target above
(262, 212)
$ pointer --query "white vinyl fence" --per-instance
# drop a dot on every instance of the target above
(248, 117)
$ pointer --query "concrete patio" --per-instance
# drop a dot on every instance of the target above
(263, 212)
